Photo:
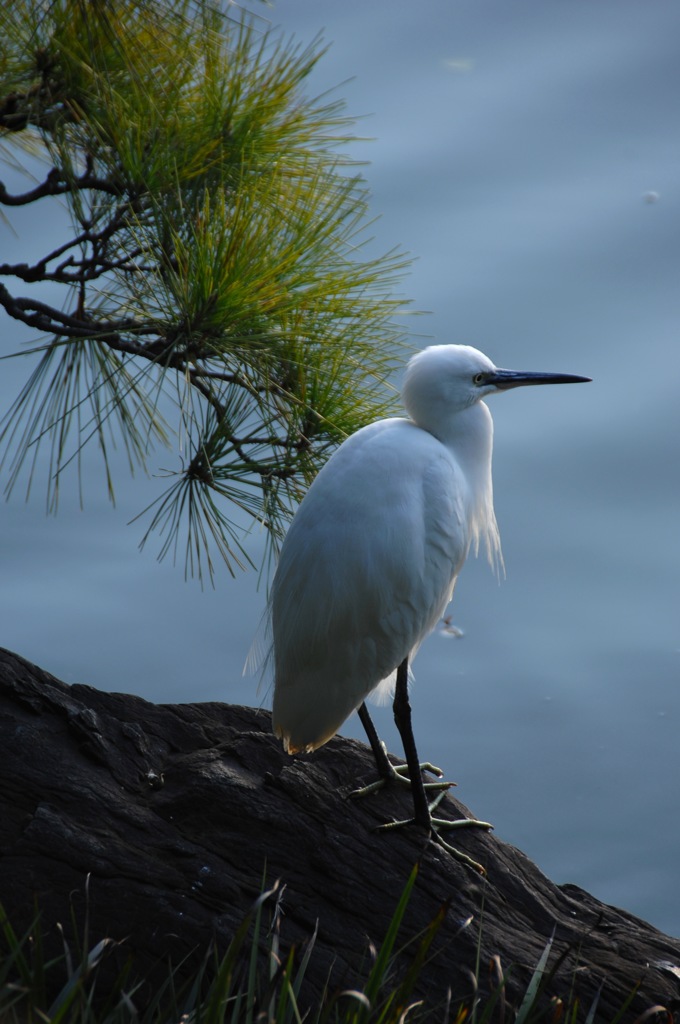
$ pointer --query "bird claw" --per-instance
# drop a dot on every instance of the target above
(458, 854)
(399, 773)
(437, 825)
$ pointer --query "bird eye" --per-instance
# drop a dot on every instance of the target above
(479, 378)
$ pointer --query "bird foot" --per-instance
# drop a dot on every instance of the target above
(438, 825)
(390, 773)
(399, 774)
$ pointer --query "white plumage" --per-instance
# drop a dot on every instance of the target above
(371, 559)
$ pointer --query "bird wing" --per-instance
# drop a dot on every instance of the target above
(365, 573)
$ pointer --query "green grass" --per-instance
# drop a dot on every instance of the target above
(256, 982)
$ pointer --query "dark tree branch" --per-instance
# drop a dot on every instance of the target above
(276, 442)
(56, 184)
(229, 378)
(45, 318)
(90, 269)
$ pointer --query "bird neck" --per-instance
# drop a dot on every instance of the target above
(469, 437)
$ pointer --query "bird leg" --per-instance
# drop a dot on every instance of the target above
(401, 708)
(421, 807)
(387, 771)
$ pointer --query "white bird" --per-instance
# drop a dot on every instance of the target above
(371, 558)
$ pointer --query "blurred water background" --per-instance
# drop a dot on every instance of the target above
(529, 155)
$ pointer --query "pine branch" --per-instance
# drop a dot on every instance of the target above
(57, 184)
(215, 260)
(49, 320)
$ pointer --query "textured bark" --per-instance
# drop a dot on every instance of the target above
(177, 813)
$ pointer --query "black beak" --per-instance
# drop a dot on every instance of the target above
(505, 379)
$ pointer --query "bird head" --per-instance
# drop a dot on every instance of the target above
(443, 380)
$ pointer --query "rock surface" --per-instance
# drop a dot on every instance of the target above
(177, 814)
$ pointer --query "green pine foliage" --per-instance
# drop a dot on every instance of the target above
(216, 292)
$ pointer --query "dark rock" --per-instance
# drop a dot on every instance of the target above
(161, 823)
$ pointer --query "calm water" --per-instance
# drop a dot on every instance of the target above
(515, 146)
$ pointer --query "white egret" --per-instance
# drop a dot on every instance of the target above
(372, 555)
